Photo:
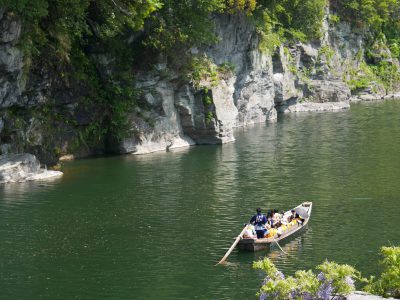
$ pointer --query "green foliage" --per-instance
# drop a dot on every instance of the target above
(288, 20)
(181, 24)
(226, 68)
(395, 49)
(338, 275)
(366, 13)
(388, 74)
(385, 73)
(307, 282)
(382, 19)
(334, 19)
(388, 284)
(202, 72)
(234, 6)
(116, 16)
(66, 39)
(359, 79)
(333, 280)
(326, 52)
(358, 84)
(379, 16)
(27, 8)
(209, 117)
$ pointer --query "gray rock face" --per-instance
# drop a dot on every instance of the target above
(253, 88)
(178, 112)
(328, 91)
(284, 79)
(11, 61)
(310, 106)
(23, 167)
(159, 127)
(10, 29)
(308, 74)
(174, 112)
(303, 77)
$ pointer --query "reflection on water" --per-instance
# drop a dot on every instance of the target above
(14, 194)
(153, 226)
(302, 242)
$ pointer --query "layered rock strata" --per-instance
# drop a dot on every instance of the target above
(174, 111)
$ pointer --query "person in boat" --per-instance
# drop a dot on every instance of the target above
(273, 220)
(276, 217)
(284, 220)
(292, 216)
(270, 220)
(299, 219)
(259, 221)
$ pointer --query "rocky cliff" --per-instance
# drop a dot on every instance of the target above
(243, 85)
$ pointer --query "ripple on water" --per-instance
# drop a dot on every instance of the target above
(152, 227)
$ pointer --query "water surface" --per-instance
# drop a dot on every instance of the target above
(152, 227)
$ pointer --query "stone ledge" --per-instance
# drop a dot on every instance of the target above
(312, 106)
(364, 296)
(23, 167)
(375, 97)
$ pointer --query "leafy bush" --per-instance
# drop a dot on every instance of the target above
(202, 72)
(333, 281)
(247, 6)
(388, 284)
(288, 20)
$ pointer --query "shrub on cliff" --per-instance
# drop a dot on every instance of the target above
(388, 284)
(334, 281)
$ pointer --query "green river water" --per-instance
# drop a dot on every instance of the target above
(153, 226)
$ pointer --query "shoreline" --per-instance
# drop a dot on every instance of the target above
(284, 109)
(26, 167)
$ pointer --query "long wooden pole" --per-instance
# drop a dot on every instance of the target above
(233, 246)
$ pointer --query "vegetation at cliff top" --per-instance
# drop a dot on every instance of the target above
(334, 281)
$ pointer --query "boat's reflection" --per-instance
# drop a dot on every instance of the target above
(293, 247)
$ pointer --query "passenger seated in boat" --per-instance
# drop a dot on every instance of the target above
(284, 218)
(259, 221)
(292, 216)
(271, 219)
(249, 233)
(299, 219)
(276, 217)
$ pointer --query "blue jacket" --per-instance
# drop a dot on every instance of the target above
(259, 220)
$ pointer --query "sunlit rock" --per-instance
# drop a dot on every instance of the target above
(23, 167)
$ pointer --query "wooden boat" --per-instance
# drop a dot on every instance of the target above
(254, 244)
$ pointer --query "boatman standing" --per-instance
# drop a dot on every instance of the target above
(259, 221)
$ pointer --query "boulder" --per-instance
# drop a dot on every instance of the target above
(23, 167)
(289, 107)
(10, 28)
(327, 91)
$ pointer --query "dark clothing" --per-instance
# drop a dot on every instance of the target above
(261, 233)
(292, 217)
(259, 221)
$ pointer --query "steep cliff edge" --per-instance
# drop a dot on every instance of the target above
(43, 113)
(297, 77)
